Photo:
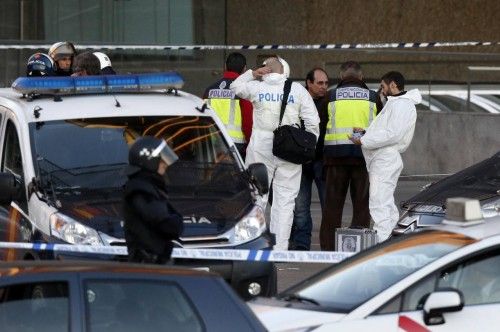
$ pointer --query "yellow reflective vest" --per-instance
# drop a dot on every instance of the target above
(348, 107)
(227, 106)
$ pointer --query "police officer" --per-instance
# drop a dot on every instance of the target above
(264, 88)
(235, 113)
(106, 68)
(350, 104)
(40, 64)
(86, 64)
(63, 53)
(150, 221)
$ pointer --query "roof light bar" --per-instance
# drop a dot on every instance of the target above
(98, 84)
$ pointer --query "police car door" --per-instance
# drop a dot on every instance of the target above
(476, 278)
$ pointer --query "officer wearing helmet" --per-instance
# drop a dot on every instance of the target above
(40, 64)
(63, 53)
(106, 68)
(150, 221)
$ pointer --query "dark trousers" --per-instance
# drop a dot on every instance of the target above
(300, 237)
(338, 180)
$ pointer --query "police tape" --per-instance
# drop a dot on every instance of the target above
(338, 46)
(194, 253)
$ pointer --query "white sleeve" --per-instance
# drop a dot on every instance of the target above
(308, 112)
(399, 122)
(245, 86)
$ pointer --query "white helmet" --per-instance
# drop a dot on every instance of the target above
(286, 67)
(103, 59)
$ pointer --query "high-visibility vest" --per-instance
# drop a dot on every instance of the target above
(227, 106)
(348, 107)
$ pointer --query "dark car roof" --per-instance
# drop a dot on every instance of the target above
(30, 267)
(479, 181)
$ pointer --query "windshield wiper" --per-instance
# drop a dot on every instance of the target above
(298, 298)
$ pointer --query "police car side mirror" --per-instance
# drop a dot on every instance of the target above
(10, 188)
(258, 176)
(439, 302)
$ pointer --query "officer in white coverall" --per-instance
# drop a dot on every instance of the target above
(264, 88)
(385, 139)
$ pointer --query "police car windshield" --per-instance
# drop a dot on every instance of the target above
(92, 153)
(349, 284)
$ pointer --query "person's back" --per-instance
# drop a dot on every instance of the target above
(350, 104)
(235, 113)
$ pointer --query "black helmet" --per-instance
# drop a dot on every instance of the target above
(40, 64)
(62, 49)
(146, 153)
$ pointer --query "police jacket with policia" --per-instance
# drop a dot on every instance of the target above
(350, 104)
(151, 222)
(235, 113)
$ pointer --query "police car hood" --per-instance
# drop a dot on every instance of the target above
(480, 181)
(279, 318)
(203, 214)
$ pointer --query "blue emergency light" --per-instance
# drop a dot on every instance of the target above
(98, 84)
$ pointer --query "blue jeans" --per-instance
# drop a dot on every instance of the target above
(300, 237)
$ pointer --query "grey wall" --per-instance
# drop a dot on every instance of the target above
(446, 143)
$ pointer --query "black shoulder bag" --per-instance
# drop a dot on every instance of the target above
(292, 143)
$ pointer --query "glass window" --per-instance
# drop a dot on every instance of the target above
(34, 307)
(352, 282)
(138, 305)
(12, 159)
(478, 279)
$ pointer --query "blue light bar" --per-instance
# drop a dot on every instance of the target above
(98, 84)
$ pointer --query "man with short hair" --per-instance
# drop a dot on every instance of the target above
(385, 139)
(264, 87)
(350, 104)
(234, 112)
(300, 238)
(86, 64)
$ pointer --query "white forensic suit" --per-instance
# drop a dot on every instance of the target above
(386, 138)
(266, 98)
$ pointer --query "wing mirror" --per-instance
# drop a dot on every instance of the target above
(11, 188)
(258, 176)
(439, 302)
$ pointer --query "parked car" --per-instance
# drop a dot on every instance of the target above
(427, 208)
(444, 278)
(77, 296)
(64, 144)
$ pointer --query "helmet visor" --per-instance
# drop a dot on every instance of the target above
(165, 153)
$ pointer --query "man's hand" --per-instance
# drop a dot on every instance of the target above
(258, 73)
(355, 140)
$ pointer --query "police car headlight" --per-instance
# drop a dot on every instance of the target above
(251, 226)
(71, 231)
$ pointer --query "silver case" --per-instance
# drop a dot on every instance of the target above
(354, 240)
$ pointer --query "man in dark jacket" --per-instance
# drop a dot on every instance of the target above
(151, 223)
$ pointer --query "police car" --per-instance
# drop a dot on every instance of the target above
(480, 181)
(445, 278)
(64, 143)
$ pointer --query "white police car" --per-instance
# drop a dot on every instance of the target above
(64, 143)
(445, 278)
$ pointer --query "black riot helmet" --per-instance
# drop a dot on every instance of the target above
(40, 64)
(146, 153)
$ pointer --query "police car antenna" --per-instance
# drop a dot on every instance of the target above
(117, 103)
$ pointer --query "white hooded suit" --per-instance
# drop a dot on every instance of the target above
(386, 138)
(266, 98)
